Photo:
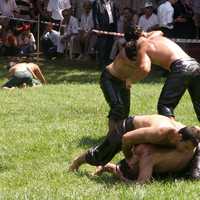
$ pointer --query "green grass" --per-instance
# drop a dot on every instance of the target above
(43, 129)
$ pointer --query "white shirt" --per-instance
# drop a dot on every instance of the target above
(109, 11)
(72, 27)
(86, 23)
(146, 23)
(56, 7)
(7, 8)
(165, 15)
(53, 36)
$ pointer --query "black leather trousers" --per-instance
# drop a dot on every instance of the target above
(104, 152)
(116, 95)
(185, 74)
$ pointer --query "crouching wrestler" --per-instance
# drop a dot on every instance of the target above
(152, 129)
(23, 74)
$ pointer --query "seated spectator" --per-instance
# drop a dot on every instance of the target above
(23, 75)
(125, 23)
(87, 38)
(196, 10)
(183, 20)
(68, 34)
(26, 41)
(9, 46)
(148, 21)
(50, 41)
(165, 17)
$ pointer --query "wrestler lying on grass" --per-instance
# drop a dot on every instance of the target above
(147, 129)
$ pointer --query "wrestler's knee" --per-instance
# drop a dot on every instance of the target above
(165, 110)
(118, 111)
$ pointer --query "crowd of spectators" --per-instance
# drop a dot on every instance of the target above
(69, 29)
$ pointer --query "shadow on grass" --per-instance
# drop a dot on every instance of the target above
(62, 71)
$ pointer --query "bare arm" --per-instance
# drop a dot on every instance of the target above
(153, 135)
(143, 65)
(145, 169)
(37, 73)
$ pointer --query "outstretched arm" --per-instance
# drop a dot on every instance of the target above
(38, 74)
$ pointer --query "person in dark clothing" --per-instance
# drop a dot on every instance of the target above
(183, 20)
(105, 14)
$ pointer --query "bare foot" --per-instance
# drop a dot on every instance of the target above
(77, 162)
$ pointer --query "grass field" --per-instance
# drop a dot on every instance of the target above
(43, 129)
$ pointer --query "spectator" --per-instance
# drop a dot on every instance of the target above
(125, 23)
(25, 9)
(165, 17)
(196, 10)
(105, 15)
(23, 74)
(183, 20)
(87, 38)
(8, 8)
(26, 41)
(68, 33)
(50, 41)
(9, 46)
(148, 21)
(55, 8)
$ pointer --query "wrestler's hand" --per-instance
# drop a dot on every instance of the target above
(99, 170)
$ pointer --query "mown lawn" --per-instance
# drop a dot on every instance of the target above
(43, 129)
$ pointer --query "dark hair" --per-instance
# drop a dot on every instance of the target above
(126, 171)
(190, 133)
(130, 49)
(130, 34)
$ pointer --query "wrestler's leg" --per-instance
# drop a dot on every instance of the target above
(171, 93)
(112, 94)
(194, 88)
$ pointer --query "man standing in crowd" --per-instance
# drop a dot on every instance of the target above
(105, 19)
(196, 10)
(55, 8)
(165, 17)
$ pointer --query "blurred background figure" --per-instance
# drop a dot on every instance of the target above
(149, 20)
(196, 10)
(105, 16)
(183, 20)
(86, 37)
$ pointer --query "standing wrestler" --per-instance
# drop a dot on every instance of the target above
(116, 79)
(184, 71)
(154, 129)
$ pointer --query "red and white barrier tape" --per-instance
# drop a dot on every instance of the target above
(177, 40)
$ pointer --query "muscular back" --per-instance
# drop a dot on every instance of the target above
(162, 51)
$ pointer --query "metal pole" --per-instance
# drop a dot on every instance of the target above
(38, 38)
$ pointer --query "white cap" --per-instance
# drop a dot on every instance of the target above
(148, 4)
